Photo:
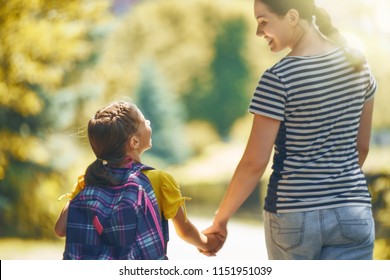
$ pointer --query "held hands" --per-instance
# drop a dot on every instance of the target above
(216, 237)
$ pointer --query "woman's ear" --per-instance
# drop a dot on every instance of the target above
(292, 17)
(134, 142)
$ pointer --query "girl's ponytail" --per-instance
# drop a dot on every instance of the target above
(98, 174)
(325, 26)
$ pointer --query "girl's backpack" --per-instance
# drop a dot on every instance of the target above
(119, 222)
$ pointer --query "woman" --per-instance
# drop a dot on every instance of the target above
(315, 108)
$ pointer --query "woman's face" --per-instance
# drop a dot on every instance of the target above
(276, 30)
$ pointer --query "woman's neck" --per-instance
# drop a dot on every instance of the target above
(309, 42)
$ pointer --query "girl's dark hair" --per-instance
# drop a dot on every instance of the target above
(307, 9)
(108, 133)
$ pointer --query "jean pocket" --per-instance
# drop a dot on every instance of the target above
(355, 223)
(287, 229)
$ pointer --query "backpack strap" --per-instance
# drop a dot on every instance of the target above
(149, 206)
(147, 196)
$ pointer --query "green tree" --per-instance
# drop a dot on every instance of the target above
(204, 48)
(226, 99)
(42, 42)
(166, 114)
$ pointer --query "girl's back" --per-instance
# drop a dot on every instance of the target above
(120, 222)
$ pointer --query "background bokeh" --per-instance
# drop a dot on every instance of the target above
(191, 66)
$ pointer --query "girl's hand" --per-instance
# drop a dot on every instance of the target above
(216, 235)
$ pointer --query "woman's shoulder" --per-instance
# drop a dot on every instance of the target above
(289, 65)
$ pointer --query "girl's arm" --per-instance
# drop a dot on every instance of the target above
(60, 226)
(364, 134)
(189, 233)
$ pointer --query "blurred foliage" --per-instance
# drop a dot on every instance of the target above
(229, 79)
(204, 49)
(166, 114)
(200, 135)
(380, 190)
(42, 42)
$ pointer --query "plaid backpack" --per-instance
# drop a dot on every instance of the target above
(119, 222)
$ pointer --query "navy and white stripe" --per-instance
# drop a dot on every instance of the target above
(319, 101)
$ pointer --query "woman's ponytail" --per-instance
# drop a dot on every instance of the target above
(325, 26)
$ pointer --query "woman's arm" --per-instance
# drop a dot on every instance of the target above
(248, 173)
(60, 226)
(364, 134)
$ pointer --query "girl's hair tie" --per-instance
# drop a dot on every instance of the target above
(104, 162)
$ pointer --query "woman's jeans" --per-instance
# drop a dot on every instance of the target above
(344, 233)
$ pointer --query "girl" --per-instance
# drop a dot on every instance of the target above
(315, 108)
(118, 135)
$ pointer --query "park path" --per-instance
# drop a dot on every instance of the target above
(245, 242)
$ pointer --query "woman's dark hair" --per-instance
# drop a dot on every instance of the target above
(307, 9)
(108, 133)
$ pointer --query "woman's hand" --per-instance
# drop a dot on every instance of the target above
(217, 235)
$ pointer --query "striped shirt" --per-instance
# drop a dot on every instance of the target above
(319, 101)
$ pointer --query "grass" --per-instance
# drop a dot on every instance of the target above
(22, 249)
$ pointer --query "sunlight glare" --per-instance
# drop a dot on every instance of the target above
(382, 19)
(354, 41)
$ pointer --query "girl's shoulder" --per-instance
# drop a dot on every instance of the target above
(160, 177)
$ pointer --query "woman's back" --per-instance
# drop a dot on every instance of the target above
(319, 100)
